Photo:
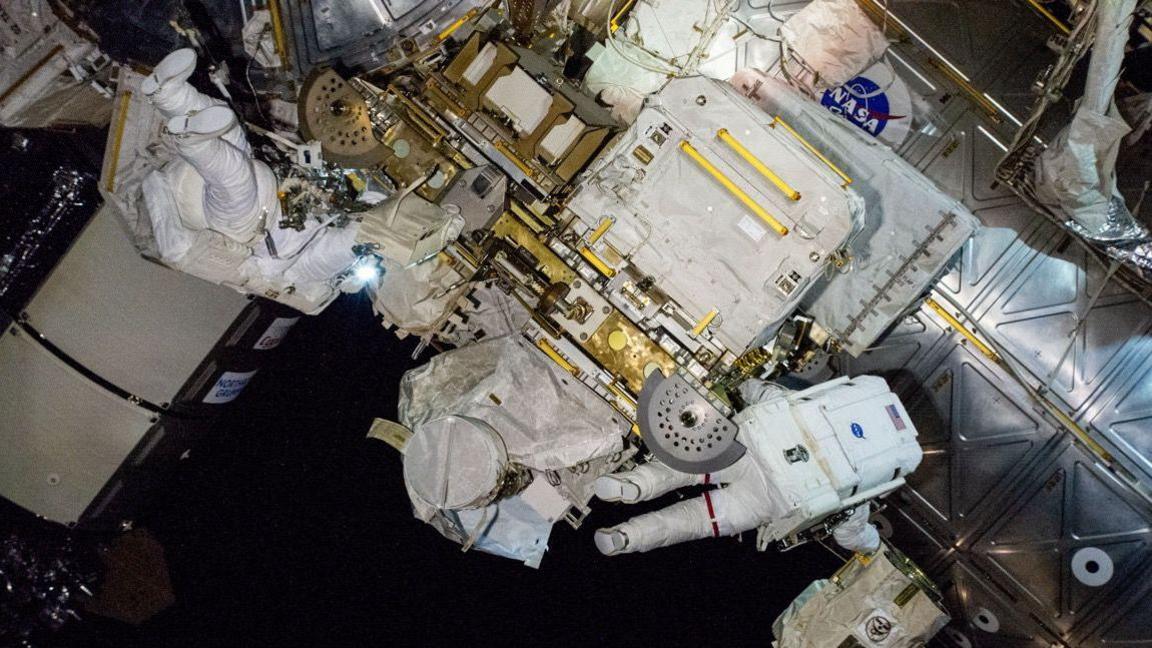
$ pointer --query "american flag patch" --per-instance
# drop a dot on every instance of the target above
(894, 414)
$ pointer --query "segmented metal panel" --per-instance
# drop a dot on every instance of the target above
(1124, 415)
(979, 431)
(1070, 504)
(1033, 539)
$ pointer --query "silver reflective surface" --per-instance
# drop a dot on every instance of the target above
(1033, 539)
(343, 22)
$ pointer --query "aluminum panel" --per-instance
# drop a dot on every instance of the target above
(1066, 322)
(979, 431)
(903, 347)
(141, 326)
(1125, 416)
(912, 535)
(1070, 508)
(964, 165)
(984, 616)
(1001, 492)
(1128, 623)
(62, 436)
(974, 36)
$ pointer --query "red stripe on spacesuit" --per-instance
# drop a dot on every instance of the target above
(711, 513)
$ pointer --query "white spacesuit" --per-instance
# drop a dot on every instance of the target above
(215, 211)
(812, 454)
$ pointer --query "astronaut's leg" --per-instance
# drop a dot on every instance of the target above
(645, 482)
(723, 511)
(230, 191)
(168, 89)
(857, 533)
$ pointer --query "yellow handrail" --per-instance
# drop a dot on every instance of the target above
(732, 188)
(118, 138)
(963, 330)
(278, 37)
(600, 230)
(1051, 18)
(705, 321)
(727, 138)
(812, 150)
(614, 24)
(597, 262)
(451, 29)
(552, 353)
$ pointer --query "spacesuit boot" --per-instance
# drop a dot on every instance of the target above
(200, 125)
(168, 88)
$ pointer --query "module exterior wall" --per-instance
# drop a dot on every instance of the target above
(1005, 497)
(1068, 503)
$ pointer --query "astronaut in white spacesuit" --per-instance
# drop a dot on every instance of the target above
(823, 451)
(216, 214)
(214, 209)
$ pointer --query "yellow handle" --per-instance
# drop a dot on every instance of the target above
(732, 188)
(812, 150)
(727, 138)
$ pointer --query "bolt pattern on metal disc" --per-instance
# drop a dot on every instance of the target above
(683, 429)
(334, 114)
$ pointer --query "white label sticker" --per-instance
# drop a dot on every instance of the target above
(277, 331)
(228, 387)
(752, 228)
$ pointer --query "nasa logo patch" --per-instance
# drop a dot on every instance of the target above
(857, 431)
(862, 102)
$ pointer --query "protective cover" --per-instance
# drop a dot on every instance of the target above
(408, 229)
(1076, 176)
(546, 421)
(912, 228)
(871, 604)
(683, 202)
(835, 38)
(635, 60)
(546, 418)
(454, 462)
(417, 300)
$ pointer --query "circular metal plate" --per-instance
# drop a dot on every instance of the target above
(986, 621)
(1092, 566)
(334, 114)
(683, 429)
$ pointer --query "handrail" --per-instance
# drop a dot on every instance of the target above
(687, 148)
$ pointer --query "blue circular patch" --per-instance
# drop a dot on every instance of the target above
(857, 431)
(861, 102)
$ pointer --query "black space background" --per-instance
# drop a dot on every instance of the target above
(288, 528)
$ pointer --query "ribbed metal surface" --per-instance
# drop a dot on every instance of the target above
(1018, 521)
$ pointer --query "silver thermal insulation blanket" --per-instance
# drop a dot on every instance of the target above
(546, 418)
(912, 228)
